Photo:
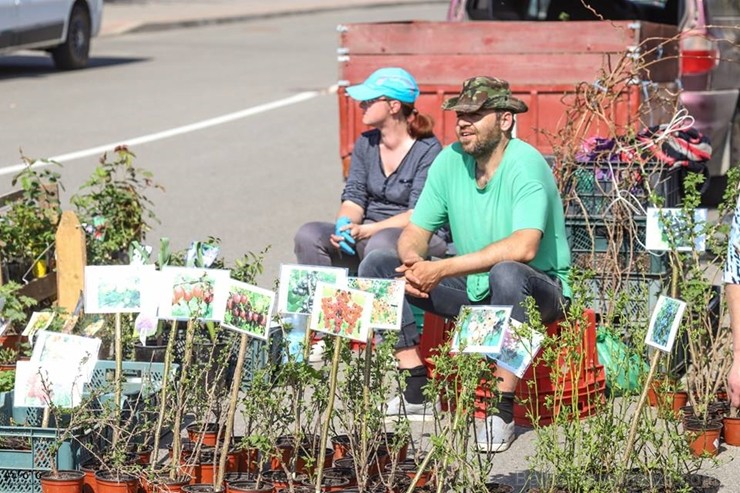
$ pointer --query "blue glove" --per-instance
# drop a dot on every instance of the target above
(346, 243)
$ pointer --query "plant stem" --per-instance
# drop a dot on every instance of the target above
(235, 385)
(163, 393)
(329, 411)
(118, 342)
(186, 359)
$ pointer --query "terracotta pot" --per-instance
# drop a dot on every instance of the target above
(312, 457)
(410, 468)
(152, 352)
(704, 441)
(233, 477)
(249, 487)
(284, 446)
(209, 432)
(401, 448)
(90, 484)
(111, 483)
(63, 482)
(163, 484)
(200, 488)
(277, 477)
(731, 430)
(342, 472)
(246, 457)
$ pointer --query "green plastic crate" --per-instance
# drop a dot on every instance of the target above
(20, 469)
(593, 189)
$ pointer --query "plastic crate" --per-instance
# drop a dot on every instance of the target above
(20, 469)
(596, 244)
(598, 189)
(628, 300)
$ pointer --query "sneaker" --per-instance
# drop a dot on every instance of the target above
(317, 351)
(501, 435)
(400, 407)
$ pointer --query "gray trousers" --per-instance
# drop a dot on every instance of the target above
(312, 246)
(510, 282)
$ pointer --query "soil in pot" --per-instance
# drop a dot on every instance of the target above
(277, 477)
(703, 484)
(410, 468)
(233, 477)
(63, 482)
(494, 487)
(200, 488)
(249, 487)
(328, 485)
(109, 482)
(341, 472)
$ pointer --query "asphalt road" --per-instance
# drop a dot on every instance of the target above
(250, 181)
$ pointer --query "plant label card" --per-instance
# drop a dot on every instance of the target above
(388, 302)
(38, 321)
(480, 328)
(341, 311)
(298, 283)
(248, 309)
(190, 292)
(670, 229)
(37, 385)
(518, 348)
(664, 323)
(67, 356)
(119, 288)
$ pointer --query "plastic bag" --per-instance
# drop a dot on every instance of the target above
(623, 367)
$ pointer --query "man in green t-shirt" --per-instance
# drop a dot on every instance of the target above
(506, 217)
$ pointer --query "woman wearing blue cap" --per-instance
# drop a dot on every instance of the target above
(387, 172)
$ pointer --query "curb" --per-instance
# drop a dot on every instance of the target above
(115, 28)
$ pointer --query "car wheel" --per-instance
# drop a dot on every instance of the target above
(75, 51)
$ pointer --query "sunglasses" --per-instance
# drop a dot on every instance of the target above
(368, 103)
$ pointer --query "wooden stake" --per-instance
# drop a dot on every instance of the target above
(71, 259)
(329, 412)
(235, 386)
(119, 372)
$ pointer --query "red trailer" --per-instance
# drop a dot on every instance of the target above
(545, 64)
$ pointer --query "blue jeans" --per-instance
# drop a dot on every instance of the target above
(511, 283)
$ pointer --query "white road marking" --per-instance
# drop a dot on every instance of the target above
(219, 120)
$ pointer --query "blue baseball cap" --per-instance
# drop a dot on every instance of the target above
(391, 82)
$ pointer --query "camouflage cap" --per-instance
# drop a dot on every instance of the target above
(485, 93)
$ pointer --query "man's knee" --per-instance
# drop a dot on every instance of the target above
(507, 274)
(379, 264)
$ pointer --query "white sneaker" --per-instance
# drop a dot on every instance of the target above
(495, 436)
(400, 407)
(317, 351)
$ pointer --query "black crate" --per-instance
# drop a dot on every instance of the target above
(626, 301)
(605, 245)
(600, 189)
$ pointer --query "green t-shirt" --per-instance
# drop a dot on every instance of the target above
(521, 195)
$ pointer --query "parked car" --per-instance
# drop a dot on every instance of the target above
(61, 27)
(709, 57)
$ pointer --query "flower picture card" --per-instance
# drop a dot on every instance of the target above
(518, 348)
(298, 283)
(341, 311)
(37, 385)
(191, 292)
(388, 301)
(38, 321)
(664, 323)
(119, 288)
(248, 309)
(480, 328)
(671, 229)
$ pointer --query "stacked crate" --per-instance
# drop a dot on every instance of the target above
(605, 205)
(543, 393)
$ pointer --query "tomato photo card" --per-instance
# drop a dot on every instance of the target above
(664, 323)
(190, 292)
(248, 309)
(298, 283)
(119, 288)
(388, 301)
(480, 328)
(342, 312)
